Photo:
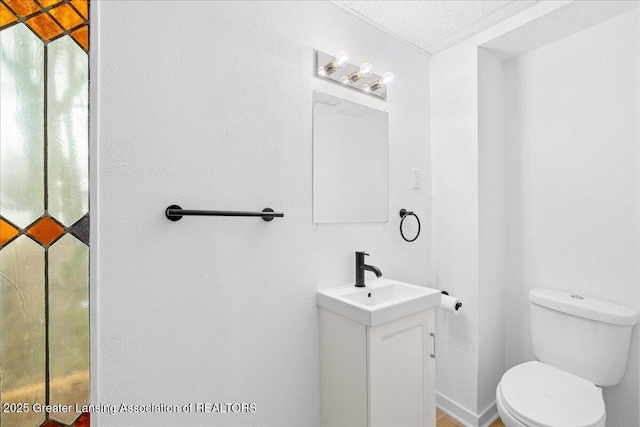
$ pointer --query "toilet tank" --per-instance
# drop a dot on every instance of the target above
(582, 335)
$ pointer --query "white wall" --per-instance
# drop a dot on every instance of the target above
(456, 227)
(208, 105)
(469, 201)
(573, 181)
(492, 243)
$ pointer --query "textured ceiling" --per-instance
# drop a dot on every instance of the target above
(435, 25)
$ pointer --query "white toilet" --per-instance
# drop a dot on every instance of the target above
(582, 344)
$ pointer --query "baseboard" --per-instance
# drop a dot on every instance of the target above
(460, 413)
(463, 415)
(489, 415)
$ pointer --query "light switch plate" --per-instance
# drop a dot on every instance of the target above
(416, 179)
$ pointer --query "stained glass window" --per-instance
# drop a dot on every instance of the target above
(44, 212)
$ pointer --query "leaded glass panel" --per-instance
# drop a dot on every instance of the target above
(44, 210)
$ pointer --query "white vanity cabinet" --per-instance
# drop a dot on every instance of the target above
(377, 376)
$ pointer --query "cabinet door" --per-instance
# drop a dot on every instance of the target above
(343, 371)
(401, 382)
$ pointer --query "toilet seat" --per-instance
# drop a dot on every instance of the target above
(540, 395)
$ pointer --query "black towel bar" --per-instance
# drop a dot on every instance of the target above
(175, 213)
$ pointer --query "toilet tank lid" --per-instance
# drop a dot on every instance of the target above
(584, 306)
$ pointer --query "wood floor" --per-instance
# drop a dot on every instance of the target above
(444, 420)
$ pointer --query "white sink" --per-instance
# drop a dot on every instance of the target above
(380, 301)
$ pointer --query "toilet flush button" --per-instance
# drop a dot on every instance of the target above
(577, 296)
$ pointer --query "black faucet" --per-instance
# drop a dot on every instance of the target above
(361, 267)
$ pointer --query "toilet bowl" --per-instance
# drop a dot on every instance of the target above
(537, 395)
(582, 344)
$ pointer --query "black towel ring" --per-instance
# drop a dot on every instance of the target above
(403, 214)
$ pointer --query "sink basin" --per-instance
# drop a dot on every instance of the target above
(382, 300)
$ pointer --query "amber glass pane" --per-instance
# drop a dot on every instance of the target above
(45, 231)
(7, 232)
(23, 7)
(69, 324)
(81, 35)
(82, 6)
(66, 16)
(44, 26)
(21, 125)
(49, 3)
(68, 127)
(6, 17)
(22, 329)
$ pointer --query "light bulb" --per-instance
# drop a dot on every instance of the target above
(342, 58)
(366, 69)
(387, 78)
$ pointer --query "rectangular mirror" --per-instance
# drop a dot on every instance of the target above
(350, 161)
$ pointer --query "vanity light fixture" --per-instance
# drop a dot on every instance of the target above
(337, 69)
(341, 60)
